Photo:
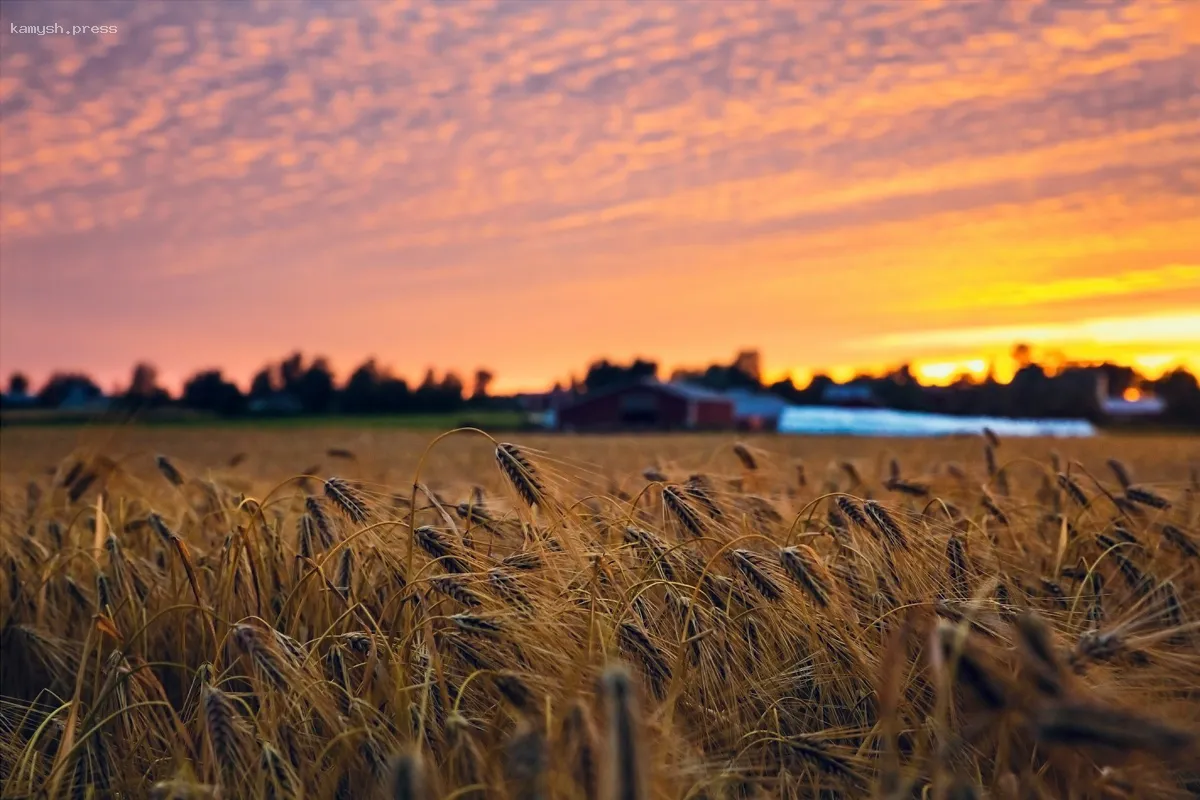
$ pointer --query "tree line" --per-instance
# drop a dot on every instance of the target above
(295, 385)
(298, 385)
(1055, 390)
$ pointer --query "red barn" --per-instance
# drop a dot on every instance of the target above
(648, 405)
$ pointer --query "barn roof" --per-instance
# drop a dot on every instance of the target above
(683, 391)
(692, 392)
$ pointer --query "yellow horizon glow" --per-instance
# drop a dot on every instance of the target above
(572, 181)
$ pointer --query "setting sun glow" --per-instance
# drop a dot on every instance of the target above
(525, 186)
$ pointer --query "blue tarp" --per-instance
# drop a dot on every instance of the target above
(886, 422)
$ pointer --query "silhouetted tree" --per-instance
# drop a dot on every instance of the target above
(744, 372)
(313, 388)
(1022, 354)
(483, 381)
(291, 372)
(748, 364)
(812, 394)
(394, 396)
(1180, 391)
(360, 395)
(209, 391)
(452, 386)
(372, 390)
(900, 390)
(786, 389)
(604, 374)
(263, 384)
(18, 384)
(144, 391)
(425, 398)
(293, 384)
(434, 396)
(67, 385)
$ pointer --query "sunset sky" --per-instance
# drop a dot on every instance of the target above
(529, 185)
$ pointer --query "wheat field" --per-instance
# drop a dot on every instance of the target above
(248, 613)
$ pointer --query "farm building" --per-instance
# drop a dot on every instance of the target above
(756, 411)
(648, 405)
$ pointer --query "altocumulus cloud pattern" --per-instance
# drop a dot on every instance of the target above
(209, 165)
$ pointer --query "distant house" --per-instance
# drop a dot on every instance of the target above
(755, 411)
(1132, 404)
(648, 405)
(849, 395)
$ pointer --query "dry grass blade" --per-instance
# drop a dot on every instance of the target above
(682, 511)
(1041, 659)
(514, 690)
(476, 625)
(959, 569)
(280, 781)
(803, 566)
(321, 521)
(343, 495)
(1121, 472)
(784, 637)
(526, 763)
(654, 474)
(1072, 488)
(911, 488)
(220, 718)
(699, 488)
(1086, 725)
(637, 645)
(1145, 497)
(169, 470)
(625, 766)
(752, 566)
(509, 590)
(887, 526)
(968, 670)
(1181, 540)
(457, 590)
(345, 573)
(262, 654)
(520, 473)
(408, 777)
(527, 561)
(742, 451)
(581, 750)
(852, 510)
(80, 486)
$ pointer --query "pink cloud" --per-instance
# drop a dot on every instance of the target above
(280, 161)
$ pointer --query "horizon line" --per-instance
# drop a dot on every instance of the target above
(928, 373)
